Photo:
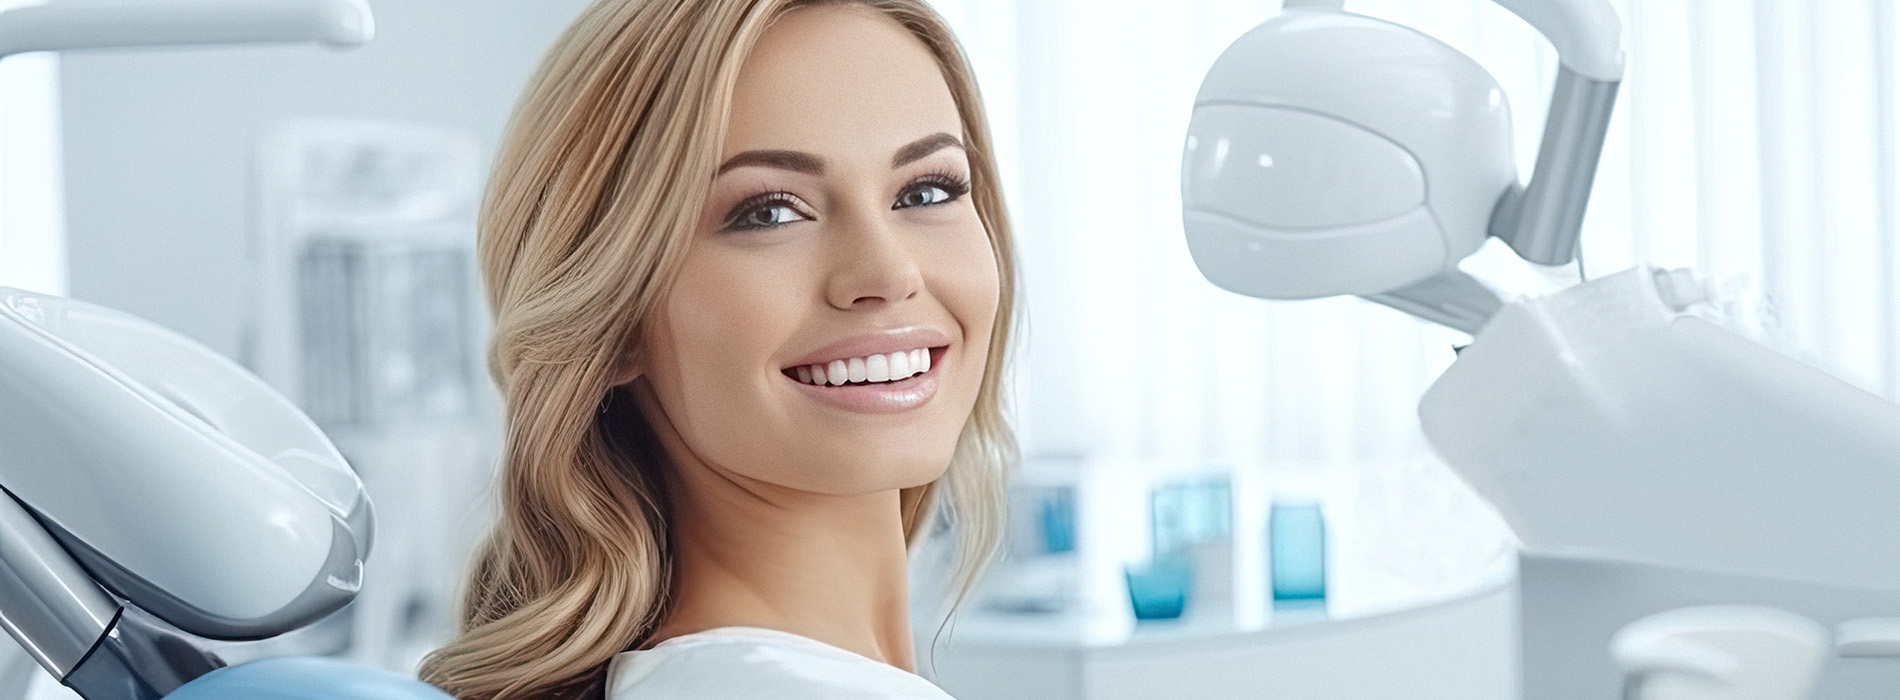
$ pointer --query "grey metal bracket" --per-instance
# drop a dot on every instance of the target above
(1452, 299)
(47, 602)
(1541, 221)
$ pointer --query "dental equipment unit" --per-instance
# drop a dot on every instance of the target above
(157, 501)
(1648, 456)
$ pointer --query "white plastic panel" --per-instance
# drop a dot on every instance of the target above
(1868, 637)
(147, 483)
(1722, 652)
(1283, 168)
(219, 392)
(1603, 423)
(1310, 263)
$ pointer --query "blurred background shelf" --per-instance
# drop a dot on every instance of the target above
(1460, 648)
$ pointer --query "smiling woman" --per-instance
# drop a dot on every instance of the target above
(752, 289)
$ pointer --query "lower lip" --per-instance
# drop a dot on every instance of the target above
(886, 397)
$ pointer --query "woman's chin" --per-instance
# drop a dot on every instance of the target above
(866, 479)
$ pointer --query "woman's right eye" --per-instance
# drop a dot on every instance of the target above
(769, 213)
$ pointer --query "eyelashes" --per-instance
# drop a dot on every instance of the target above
(774, 203)
(952, 184)
(777, 207)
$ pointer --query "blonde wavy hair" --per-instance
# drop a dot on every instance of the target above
(594, 196)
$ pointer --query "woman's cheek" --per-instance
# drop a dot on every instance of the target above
(984, 277)
(730, 313)
(974, 287)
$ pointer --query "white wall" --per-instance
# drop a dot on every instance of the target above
(32, 227)
(157, 142)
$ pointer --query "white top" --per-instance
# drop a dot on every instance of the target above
(742, 663)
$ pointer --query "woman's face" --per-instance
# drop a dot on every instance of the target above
(839, 232)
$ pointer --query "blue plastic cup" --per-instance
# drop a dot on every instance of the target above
(1159, 589)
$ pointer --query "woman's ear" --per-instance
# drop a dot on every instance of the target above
(627, 369)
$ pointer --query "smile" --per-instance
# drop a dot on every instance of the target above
(879, 383)
(870, 369)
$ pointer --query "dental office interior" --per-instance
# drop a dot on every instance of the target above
(1660, 463)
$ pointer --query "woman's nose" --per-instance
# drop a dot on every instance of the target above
(872, 262)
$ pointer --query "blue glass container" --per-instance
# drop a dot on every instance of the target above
(1297, 541)
(1057, 515)
(1158, 590)
(1183, 514)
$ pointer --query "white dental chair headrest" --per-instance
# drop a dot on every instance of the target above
(178, 479)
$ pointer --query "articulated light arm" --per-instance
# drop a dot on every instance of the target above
(1542, 220)
(99, 24)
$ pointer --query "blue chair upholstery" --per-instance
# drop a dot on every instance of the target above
(305, 678)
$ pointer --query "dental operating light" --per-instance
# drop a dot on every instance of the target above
(1332, 153)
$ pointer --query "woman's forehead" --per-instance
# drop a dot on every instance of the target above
(835, 80)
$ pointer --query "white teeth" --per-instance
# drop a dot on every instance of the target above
(871, 368)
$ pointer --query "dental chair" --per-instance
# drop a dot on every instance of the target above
(160, 502)
(160, 505)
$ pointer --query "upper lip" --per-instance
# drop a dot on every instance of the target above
(875, 343)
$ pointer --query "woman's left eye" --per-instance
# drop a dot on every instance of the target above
(769, 216)
(765, 211)
(920, 196)
(927, 193)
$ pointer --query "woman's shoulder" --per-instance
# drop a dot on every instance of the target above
(750, 662)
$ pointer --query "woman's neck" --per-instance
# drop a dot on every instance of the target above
(830, 568)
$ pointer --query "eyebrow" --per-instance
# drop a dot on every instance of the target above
(923, 147)
(799, 161)
(784, 160)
